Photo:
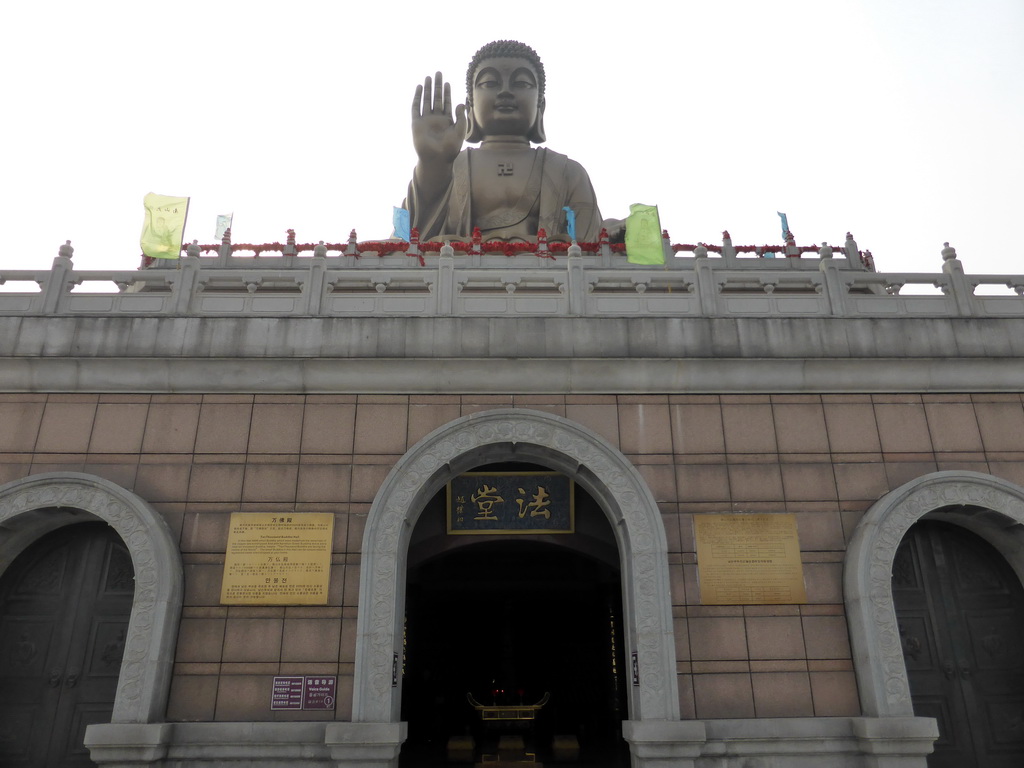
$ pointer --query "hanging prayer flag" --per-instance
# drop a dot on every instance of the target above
(400, 222)
(643, 235)
(785, 224)
(164, 226)
(223, 224)
(570, 221)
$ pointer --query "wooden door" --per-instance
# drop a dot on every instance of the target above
(960, 610)
(64, 608)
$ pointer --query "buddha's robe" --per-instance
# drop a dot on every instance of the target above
(555, 182)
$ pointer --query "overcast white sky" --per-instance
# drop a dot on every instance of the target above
(902, 121)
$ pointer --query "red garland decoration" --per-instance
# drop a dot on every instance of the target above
(382, 247)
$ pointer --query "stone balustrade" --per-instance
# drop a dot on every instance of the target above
(570, 284)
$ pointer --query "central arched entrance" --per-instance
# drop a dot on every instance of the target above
(518, 435)
(512, 620)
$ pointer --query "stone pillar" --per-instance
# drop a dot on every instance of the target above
(895, 742)
(128, 745)
(366, 745)
(664, 743)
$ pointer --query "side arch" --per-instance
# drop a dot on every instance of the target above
(988, 506)
(36, 505)
(515, 435)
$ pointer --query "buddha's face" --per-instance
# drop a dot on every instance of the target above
(506, 101)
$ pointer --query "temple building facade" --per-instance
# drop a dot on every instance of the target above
(759, 511)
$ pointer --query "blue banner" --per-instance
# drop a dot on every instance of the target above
(570, 221)
(400, 221)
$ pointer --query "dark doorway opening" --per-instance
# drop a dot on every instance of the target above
(960, 610)
(509, 620)
(64, 609)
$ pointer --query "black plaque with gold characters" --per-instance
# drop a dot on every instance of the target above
(510, 502)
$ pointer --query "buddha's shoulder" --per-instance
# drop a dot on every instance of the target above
(550, 156)
(564, 163)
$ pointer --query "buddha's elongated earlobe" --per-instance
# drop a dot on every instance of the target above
(473, 132)
(536, 134)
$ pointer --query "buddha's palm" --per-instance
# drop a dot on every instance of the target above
(436, 137)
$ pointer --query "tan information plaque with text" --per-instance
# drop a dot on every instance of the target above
(278, 559)
(749, 560)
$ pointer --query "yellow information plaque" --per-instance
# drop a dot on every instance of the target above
(749, 560)
(278, 559)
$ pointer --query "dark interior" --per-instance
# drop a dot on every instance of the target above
(507, 620)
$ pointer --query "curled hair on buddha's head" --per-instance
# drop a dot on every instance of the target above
(511, 49)
(506, 49)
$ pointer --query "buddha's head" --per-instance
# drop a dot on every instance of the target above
(505, 92)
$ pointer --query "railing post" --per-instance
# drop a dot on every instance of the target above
(833, 284)
(185, 285)
(315, 287)
(671, 262)
(963, 293)
(351, 250)
(791, 250)
(446, 281)
(58, 283)
(605, 249)
(728, 251)
(852, 253)
(224, 252)
(576, 282)
(704, 276)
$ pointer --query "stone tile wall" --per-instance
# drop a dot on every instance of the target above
(825, 458)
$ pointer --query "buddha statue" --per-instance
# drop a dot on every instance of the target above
(507, 188)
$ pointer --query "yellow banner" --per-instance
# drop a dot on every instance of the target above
(643, 235)
(164, 226)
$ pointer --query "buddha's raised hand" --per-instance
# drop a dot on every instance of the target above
(436, 136)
